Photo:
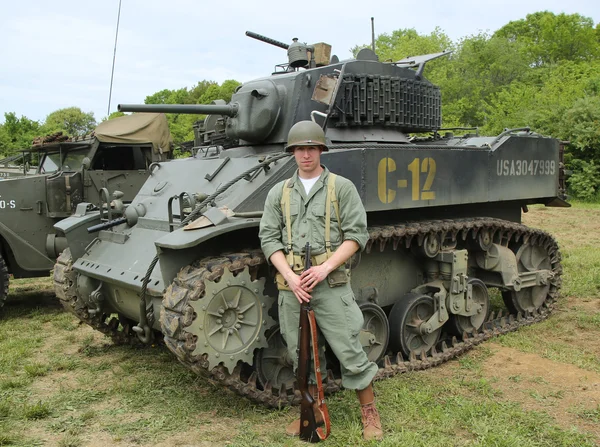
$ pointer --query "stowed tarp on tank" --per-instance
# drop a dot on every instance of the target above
(137, 128)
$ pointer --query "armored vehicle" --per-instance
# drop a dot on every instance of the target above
(16, 166)
(112, 163)
(444, 215)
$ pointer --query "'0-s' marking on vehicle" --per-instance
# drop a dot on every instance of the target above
(11, 203)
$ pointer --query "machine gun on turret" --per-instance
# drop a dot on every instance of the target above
(300, 55)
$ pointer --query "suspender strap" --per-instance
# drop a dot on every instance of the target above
(331, 199)
(285, 207)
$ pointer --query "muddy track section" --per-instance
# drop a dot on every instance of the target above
(65, 287)
(177, 314)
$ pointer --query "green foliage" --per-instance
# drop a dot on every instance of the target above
(584, 183)
(16, 133)
(481, 67)
(580, 125)
(550, 38)
(71, 121)
(407, 42)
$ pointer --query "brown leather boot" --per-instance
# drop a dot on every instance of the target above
(371, 422)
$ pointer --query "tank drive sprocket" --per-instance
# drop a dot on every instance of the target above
(219, 307)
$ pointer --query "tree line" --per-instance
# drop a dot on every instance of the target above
(542, 71)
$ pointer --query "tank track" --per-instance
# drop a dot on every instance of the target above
(177, 314)
(65, 287)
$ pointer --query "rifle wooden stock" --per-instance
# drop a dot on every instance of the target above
(311, 430)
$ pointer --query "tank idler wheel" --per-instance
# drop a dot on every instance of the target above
(273, 363)
(375, 333)
(470, 324)
(529, 299)
(407, 330)
(3, 281)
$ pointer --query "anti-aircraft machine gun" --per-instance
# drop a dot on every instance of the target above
(444, 215)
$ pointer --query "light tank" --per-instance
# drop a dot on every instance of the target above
(444, 214)
(106, 167)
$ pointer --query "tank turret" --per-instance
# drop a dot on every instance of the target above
(354, 101)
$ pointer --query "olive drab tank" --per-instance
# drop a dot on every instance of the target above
(444, 214)
(106, 167)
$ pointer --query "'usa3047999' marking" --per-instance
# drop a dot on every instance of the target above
(525, 167)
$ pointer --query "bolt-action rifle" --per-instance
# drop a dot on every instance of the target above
(313, 415)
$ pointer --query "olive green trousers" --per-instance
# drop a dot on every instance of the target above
(339, 320)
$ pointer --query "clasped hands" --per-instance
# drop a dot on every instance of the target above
(301, 285)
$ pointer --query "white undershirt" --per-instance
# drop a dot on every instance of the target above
(309, 183)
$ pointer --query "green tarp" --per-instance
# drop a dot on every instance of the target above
(137, 128)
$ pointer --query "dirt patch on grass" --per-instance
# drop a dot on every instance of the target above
(561, 390)
(591, 305)
(560, 221)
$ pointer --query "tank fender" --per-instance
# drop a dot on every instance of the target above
(179, 248)
(182, 239)
(74, 228)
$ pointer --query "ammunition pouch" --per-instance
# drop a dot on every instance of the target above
(336, 278)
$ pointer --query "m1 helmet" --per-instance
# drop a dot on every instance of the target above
(306, 133)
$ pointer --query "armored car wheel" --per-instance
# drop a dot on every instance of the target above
(470, 324)
(529, 299)
(3, 281)
(273, 363)
(375, 333)
(406, 323)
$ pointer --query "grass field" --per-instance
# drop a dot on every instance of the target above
(63, 384)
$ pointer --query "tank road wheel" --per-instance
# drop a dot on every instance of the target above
(375, 333)
(273, 363)
(406, 324)
(527, 300)
(469, 324)
(231, 319)
(3, 281)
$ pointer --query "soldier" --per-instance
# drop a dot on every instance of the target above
(325, 210)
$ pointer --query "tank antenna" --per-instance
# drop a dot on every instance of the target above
(373, 34)
(112, 73)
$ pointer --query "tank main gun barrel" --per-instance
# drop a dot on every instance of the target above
(266, 39)
(193, 109)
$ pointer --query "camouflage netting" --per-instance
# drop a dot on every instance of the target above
(137, 128)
